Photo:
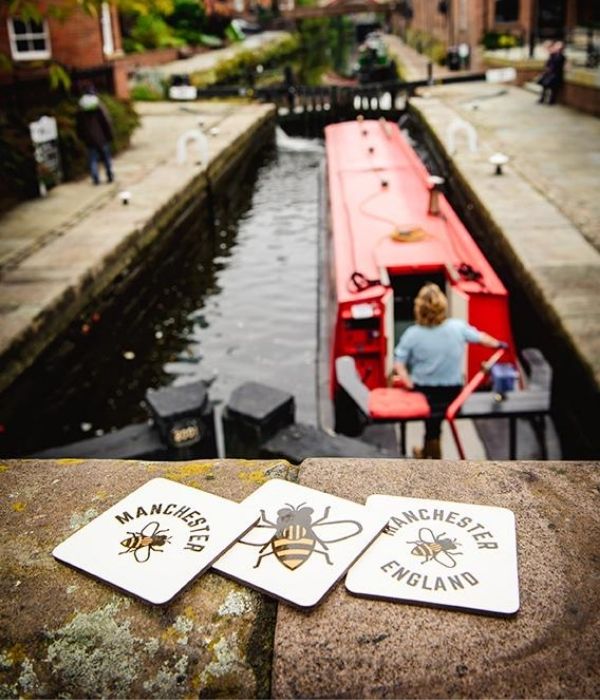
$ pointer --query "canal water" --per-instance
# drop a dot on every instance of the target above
(234, 299)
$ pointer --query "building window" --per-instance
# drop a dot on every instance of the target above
(29, 40)
(507, 10)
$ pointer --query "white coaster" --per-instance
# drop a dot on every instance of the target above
(304, 542)
(157, 539)
(455, 555)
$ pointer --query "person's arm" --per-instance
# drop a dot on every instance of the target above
(402, 373)
(491, 342)
(106, 123)
(402, 354)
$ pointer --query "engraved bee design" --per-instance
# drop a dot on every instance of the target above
(295, 538)
(149, 539)
(435, 548)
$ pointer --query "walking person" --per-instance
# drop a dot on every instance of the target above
(94, 128)
(429, 358)
(552, 78)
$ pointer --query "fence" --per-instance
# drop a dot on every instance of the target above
(306, 109)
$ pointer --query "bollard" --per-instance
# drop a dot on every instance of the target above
(253, 414)
(201, 141)
(454, 127)
(184, 418)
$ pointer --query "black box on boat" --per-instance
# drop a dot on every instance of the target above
(254, 413)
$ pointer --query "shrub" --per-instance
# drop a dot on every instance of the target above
(143, 92)
(152, 32)
(499, 40)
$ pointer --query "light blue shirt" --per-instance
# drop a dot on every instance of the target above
(434, 355)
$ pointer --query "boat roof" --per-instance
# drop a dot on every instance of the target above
(379, 198)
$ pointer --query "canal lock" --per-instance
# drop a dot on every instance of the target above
(150, 329)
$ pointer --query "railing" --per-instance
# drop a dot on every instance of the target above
(332, 102)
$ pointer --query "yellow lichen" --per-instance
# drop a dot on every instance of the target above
(3, 468)
(67, 462)
(258, 476)
(18, 507)
(182, 472)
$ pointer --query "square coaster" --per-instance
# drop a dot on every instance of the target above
(157, 539)
(303, 543)
(455, 555)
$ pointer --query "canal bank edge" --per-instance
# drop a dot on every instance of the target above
(47, 291)
(66, 634)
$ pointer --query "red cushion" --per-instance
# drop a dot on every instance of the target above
(397, 403)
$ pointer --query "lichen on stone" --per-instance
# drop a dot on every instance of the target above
(6, 660)
(183, 472)
(28, 680)
(169, 681)
(226, 657)
(95, 654)
(183, 626)
(237, 603)
(78, 520)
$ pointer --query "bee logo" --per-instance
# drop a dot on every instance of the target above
(295, 537)
(435, 547)
(150, 539)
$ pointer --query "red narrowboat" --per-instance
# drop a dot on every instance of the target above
(392, 230)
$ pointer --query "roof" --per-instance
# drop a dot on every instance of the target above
(379, 200)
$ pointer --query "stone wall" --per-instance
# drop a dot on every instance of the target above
(64, 634)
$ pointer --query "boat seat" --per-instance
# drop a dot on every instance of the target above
(381, 404)
(397, 404)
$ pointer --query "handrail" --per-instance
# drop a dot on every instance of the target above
(467, 390)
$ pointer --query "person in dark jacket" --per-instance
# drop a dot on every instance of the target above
(94, 128)
(553, 75)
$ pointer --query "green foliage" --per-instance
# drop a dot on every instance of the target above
(18, 178)
(142, 92)
(427, 44)
(499, 40)
(59, 78)
(231, 69)
(33, 10)
(188, 20)
(152, 32)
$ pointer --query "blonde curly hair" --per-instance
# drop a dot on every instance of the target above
(431, 306)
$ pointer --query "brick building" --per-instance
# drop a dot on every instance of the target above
(84, 45)
(456, 21)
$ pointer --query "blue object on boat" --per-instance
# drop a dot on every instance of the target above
(504, 375)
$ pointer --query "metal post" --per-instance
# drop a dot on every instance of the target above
(512, 437)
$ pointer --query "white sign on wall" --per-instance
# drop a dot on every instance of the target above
(303, 543)
(455, 555)
(157, 539)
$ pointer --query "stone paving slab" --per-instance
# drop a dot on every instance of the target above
(53, 273)
(359, 648)
(548, 224)
(63, 634)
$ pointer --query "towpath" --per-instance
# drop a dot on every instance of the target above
(57, 253)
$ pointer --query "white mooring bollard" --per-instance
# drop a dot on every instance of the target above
(457, 125)
(201, 143)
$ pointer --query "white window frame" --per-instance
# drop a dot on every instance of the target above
(33, 55)
(108, 42)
